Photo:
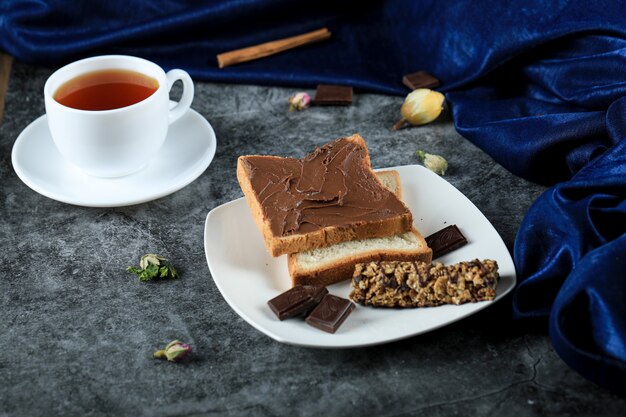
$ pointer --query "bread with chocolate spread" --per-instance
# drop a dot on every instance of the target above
(329, 196)
(335, 263)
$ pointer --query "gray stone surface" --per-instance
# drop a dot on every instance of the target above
(77, 332)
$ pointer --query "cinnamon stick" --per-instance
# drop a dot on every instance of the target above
(270, 48)
(5, 71)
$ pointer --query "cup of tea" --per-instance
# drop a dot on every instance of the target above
(109, 115)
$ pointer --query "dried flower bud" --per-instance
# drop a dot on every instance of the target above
(150, 259)
(153, 266)
(421, 106)
(299, 101)
(435, 163)
(175, 351)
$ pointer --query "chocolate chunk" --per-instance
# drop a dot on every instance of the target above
(330, 313)
(420, 79)
(296, 301)
(446, 240)
(333, 95)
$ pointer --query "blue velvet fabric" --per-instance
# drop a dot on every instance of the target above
(570, 254)
(537, 84)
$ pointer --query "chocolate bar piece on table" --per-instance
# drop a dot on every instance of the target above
(420, 79)
(333, 95)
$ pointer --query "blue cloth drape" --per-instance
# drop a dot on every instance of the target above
(538, 85)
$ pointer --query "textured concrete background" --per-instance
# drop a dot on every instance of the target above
(77, 332)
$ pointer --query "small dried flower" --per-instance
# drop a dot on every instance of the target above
(435, 163)
(299, 101)
(150, 259)
(175, 351)
(421, 106)
(153, 266)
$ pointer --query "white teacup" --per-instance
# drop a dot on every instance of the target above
(120, 141)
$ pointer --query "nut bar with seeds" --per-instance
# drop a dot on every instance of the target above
(419, 284)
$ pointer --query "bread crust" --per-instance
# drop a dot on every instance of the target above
(334, 272)
(280, 245)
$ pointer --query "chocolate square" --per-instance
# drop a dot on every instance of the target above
(445, 240)
(333, 95)
(420, 79)
(330, 313)
(296, 301)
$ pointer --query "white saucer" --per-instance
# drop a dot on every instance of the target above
(187, 152)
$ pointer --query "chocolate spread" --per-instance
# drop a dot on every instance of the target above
(332, 186)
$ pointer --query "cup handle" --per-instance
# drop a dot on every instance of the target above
(185, 101)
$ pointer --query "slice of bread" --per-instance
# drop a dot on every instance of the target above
(325, 266)
(391, 181)
(329, 196)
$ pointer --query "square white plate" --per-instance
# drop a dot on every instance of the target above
(247, 276)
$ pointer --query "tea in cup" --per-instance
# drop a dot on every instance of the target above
(109, 115)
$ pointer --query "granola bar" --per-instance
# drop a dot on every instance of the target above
(419, 284)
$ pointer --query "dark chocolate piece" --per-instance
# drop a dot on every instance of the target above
(333, 95)
(296, 301)
(420, 79)
(446, 240)
(330, 313)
